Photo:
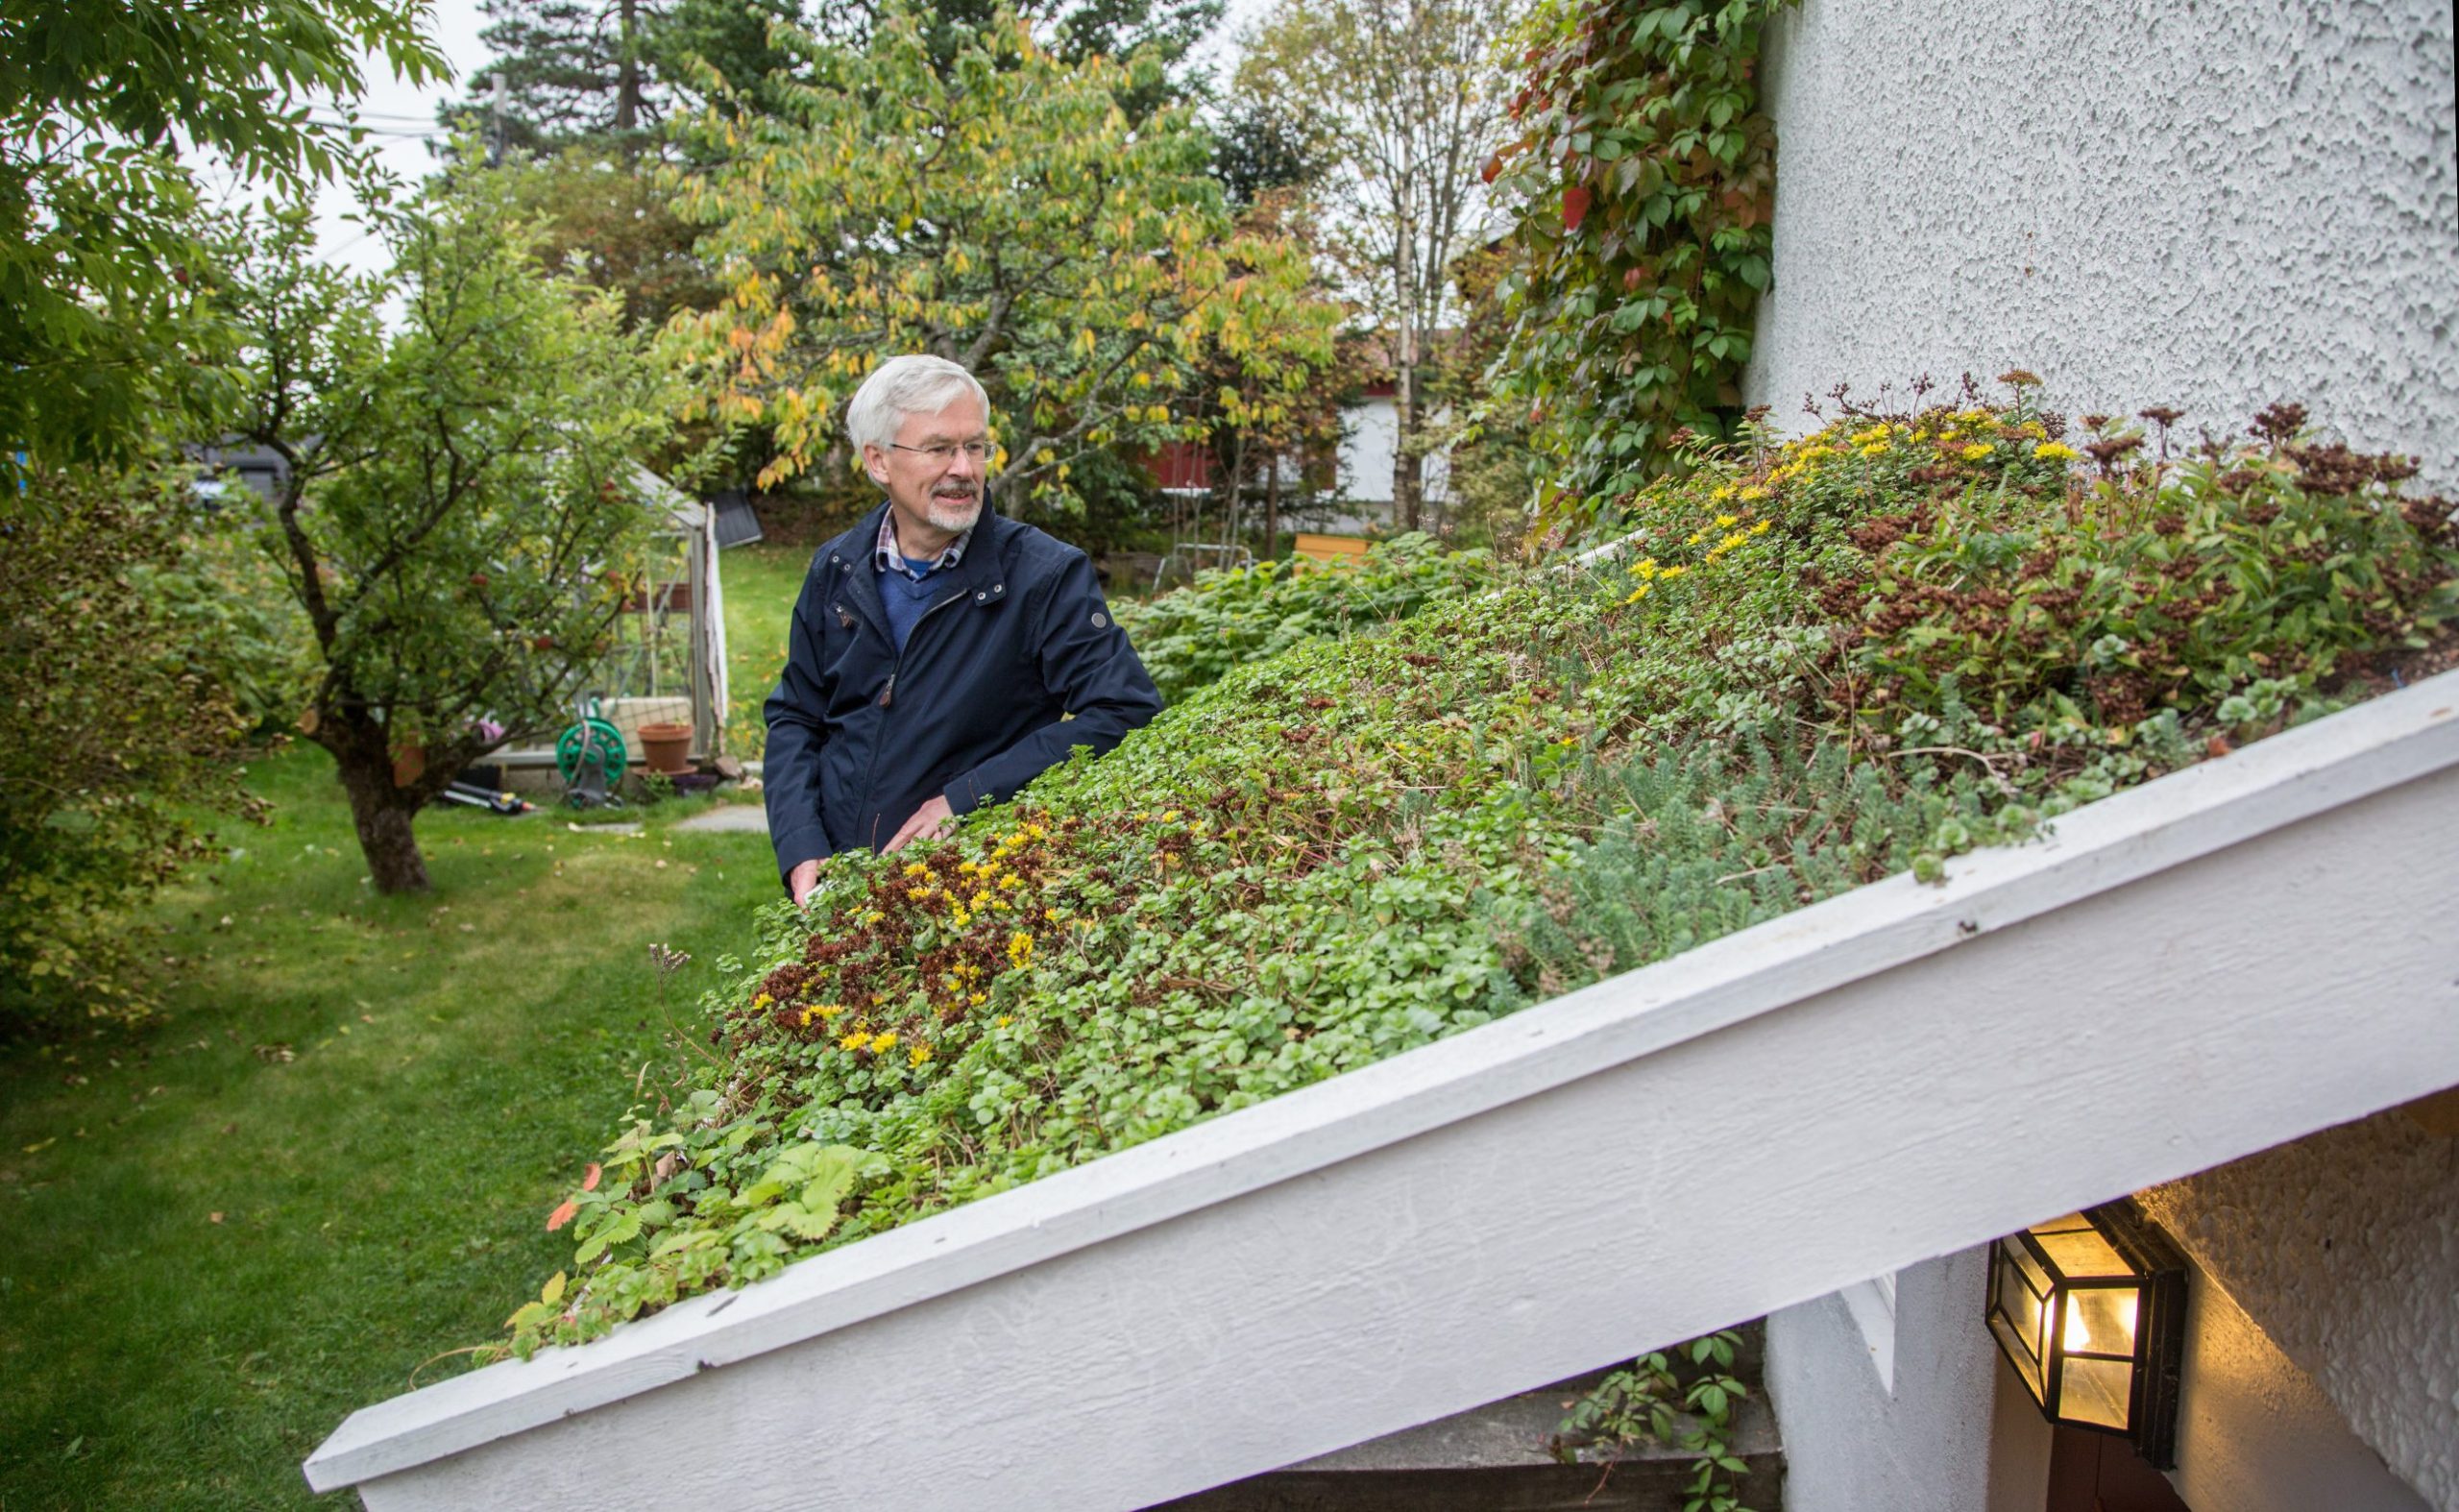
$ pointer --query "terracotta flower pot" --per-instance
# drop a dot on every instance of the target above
(667, 746)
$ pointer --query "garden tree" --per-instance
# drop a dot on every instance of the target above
(1641, 182)
(1493, 466)
(460, 523)
(603, 222)
(1404, 99)
(1255, 420)
(125, 739)
(603, 73)
(103, 330)
(1007, 214)
(1159, 32)
(1254, 150)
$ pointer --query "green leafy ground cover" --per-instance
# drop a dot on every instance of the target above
(1816, 665)
(1232, 616)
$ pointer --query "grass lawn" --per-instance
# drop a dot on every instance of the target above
(333, 1157)
(760, 582)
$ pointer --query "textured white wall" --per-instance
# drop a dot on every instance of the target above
(1927, 1446)
(2345, 1247)
(2211, 205)
(2255, 1434)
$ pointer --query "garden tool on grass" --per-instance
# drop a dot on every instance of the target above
(487, 798)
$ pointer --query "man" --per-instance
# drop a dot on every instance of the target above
(936, 646)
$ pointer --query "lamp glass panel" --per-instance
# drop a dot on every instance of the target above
(2027, 1367)
(2079, 1250)
(2023, 1303)
(2095, 1392)
(2037, 1280)
(2100, 1320)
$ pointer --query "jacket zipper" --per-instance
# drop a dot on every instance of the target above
(887, 695)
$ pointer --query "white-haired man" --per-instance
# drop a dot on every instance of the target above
(936, 646)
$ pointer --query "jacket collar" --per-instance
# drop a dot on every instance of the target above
(980, 573)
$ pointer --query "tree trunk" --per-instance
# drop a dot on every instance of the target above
(1271, 507)
(381, 811)
(628, 75)
(1404, 372)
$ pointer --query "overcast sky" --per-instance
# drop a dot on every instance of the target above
(404, 120)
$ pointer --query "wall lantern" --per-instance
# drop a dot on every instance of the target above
(2091, 1309)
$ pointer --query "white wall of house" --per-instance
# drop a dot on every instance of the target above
(1370, 440)
(2257, 1435)
(1934, 1434)
(2207, 205)
(2345, 1247)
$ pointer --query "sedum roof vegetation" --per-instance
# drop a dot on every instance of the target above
(1816, 664)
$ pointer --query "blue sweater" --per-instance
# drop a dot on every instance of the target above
(905, 599)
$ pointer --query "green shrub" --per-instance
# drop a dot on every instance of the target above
(117, 737)
(222, 602)
(1229, 616)
(1362, 845)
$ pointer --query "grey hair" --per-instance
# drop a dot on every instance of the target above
(913, 385)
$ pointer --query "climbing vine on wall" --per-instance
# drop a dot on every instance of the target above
(1643, 181)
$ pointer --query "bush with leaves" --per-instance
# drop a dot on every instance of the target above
(120, 741)
(1228, 616)
(1364, 844)
(1644, 177)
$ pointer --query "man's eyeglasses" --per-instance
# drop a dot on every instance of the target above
(945, 451)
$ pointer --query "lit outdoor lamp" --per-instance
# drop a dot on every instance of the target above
(2091, 1309)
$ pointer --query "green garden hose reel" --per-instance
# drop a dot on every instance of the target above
(591, 758)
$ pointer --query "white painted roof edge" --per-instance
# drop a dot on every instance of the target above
(2269, 785)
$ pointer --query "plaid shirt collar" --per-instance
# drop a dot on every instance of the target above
(887, 558)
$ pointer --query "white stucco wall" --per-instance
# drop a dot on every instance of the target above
(2344, 1246)
(2257, 1435)
(2211, 205)
(1926, 1445)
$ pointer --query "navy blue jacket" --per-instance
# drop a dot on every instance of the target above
(1015, 635)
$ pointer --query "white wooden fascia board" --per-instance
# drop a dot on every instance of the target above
(2130, 836)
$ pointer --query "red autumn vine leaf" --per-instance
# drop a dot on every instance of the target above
(1574, 206)
(589, 1183)
(562, 1215)
(1493, 166)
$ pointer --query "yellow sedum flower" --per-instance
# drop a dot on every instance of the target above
(920, 1054)
(1727, 522)
(918, 869)
(2054, 451)
(854, 1040)
(884, 1042)
(1977, 450)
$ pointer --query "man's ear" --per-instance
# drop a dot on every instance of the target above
(875, 463)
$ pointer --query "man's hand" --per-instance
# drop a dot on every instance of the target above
(801, 880)
(928, 820)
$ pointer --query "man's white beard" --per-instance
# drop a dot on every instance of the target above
(955, 515)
